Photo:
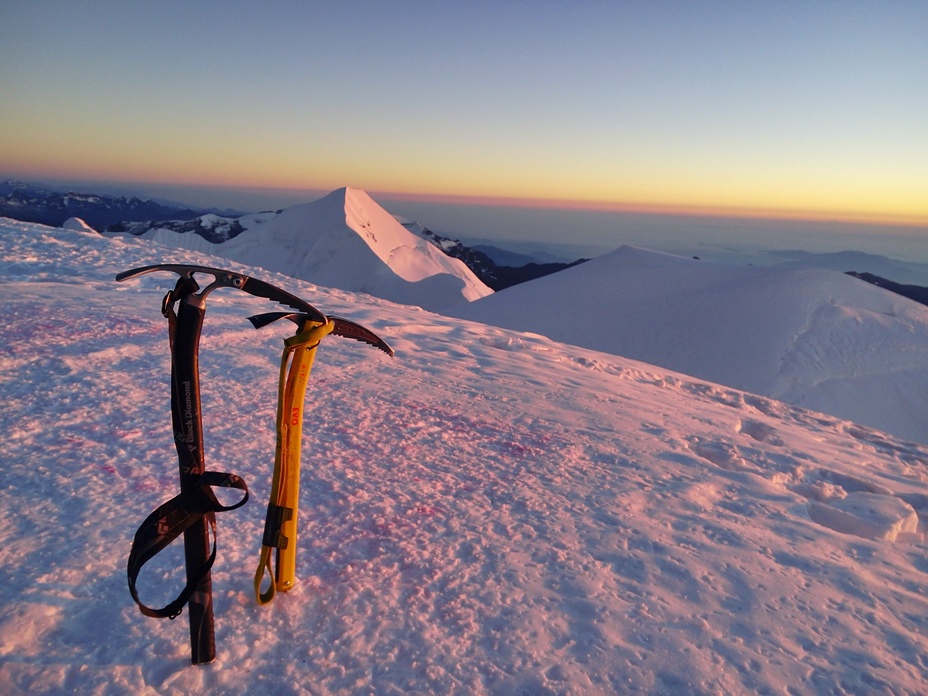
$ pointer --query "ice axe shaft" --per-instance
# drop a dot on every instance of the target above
(187, 420)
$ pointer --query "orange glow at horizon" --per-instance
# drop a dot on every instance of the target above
(848, 214)
(541, 184)
(918, 219)
(674, 186)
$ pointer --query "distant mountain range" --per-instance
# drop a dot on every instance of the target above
(494, 267)
(34, 203)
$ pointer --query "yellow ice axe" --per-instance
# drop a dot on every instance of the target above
(280, 526)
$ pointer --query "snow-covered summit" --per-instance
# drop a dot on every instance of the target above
(348, 241)
(815, 338)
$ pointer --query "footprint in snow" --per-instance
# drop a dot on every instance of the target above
(723, 454)
(503, 343)
(761, 432)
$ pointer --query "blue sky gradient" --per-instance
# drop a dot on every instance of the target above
(779, 109)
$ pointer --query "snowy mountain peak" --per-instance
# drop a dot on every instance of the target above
(346, 240)
(383, 234)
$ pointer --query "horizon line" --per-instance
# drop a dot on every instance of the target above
(670, 209)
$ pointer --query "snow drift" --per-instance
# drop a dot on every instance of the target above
(76, 223)
(814, 338)
(345, 240)
(491, 512)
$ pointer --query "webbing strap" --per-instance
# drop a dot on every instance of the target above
(169, 521)
(276, 516)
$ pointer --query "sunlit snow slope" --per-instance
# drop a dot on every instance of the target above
(490, 512)
(346, 240)
(814, 338)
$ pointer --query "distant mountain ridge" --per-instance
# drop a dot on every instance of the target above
(33, 203)
(496, 276)
(913, 292)
(215, 229)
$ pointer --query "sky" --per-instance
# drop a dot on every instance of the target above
(814, 110)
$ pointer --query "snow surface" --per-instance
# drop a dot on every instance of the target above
(345, 240)
(491, 512)
(813, 338)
